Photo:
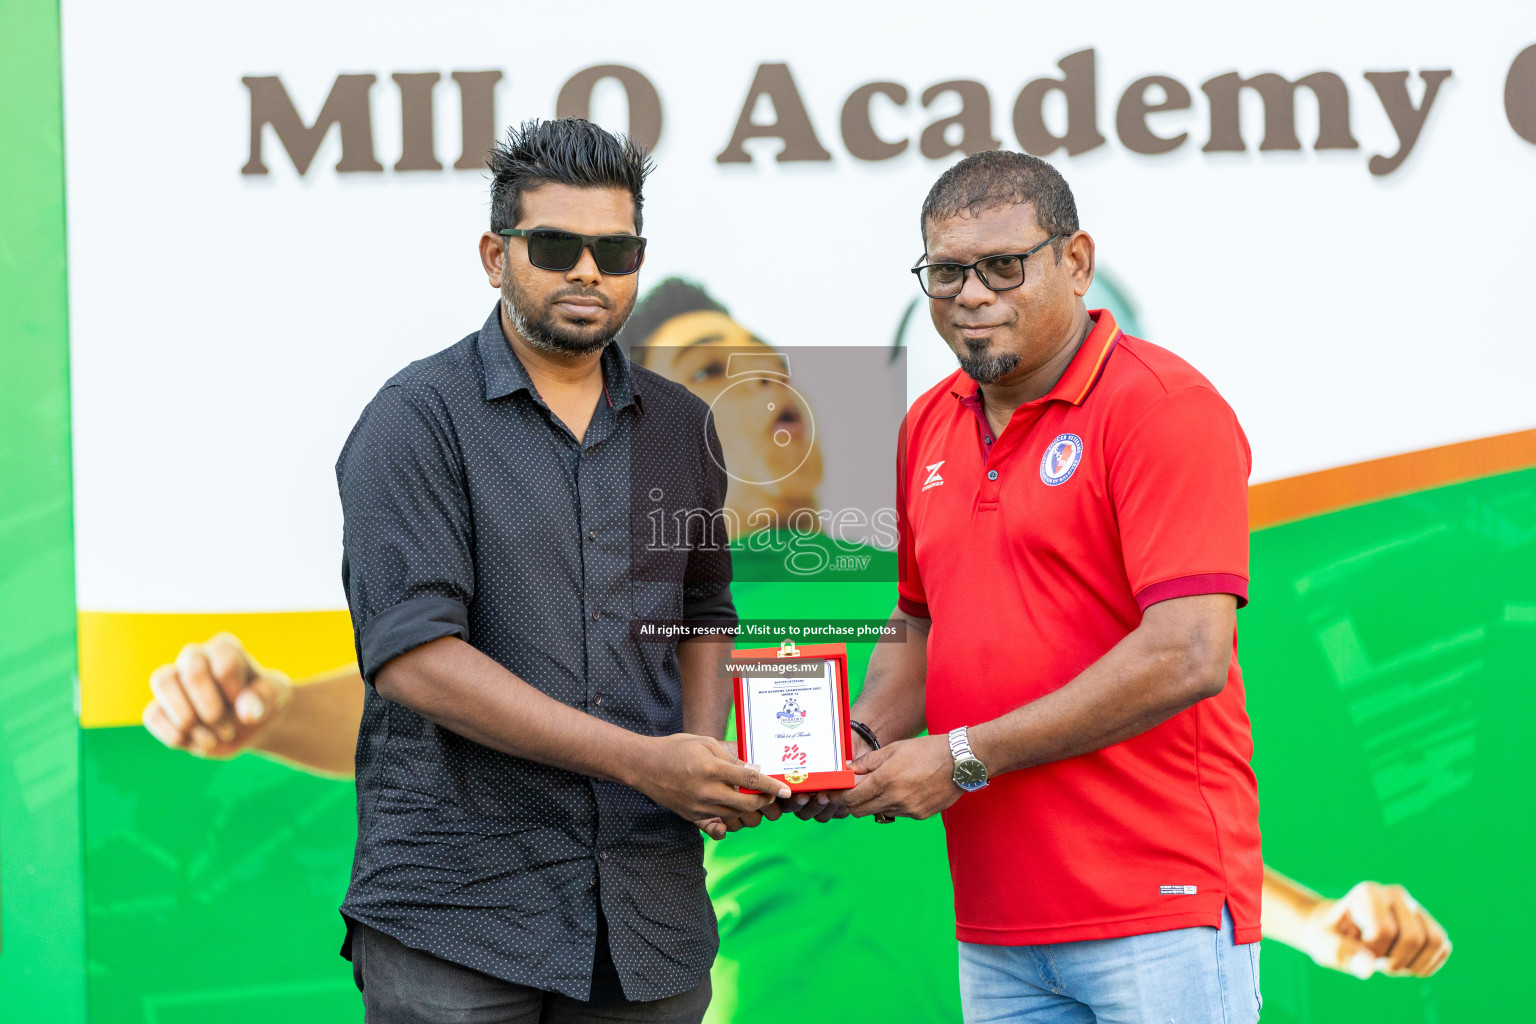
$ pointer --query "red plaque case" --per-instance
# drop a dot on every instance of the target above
(836, 655)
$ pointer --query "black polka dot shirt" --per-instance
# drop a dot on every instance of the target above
(471, 511)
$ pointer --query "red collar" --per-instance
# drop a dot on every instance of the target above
(1082, 373)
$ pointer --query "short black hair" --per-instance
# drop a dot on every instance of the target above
(1000, 177)
(671, 297)
(569, 151)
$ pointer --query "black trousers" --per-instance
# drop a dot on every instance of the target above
(401, 985)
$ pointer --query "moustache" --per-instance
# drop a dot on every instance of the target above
(580, 293)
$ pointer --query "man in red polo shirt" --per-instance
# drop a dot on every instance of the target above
(1074, 542)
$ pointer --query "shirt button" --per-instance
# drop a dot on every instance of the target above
(604, 855)
(591, 535)
(991, 475)
(988, 439)
(594, 614)
(598, 700)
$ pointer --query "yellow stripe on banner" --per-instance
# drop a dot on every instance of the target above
(118, 651)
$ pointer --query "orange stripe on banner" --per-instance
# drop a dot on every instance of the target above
(1328, 490)
(118, 651)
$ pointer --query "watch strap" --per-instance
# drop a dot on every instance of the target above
(960, 743)
(960, 750)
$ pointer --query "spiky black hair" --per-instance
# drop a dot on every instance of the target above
(569, 151)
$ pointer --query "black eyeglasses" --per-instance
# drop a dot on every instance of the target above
(1000, 273)
(553, 249)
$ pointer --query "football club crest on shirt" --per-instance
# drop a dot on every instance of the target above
(1061, 458)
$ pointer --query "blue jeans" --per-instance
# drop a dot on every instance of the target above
(1184, 976)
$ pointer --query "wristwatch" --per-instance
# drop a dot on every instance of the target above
(970, 774)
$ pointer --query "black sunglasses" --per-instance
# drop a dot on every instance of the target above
(553, 249)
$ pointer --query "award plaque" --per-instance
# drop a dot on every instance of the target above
(793, 722)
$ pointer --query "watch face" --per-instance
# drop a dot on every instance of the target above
(970, 774)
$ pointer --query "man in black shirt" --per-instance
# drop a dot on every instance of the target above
(531, 777)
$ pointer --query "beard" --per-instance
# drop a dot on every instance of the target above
(984, 368)
(540, 329)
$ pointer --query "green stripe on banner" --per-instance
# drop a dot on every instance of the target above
(42, 933)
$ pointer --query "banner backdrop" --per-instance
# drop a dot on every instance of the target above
(1325, 209)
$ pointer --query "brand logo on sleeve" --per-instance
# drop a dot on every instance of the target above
(1061, 458)
(933, 475)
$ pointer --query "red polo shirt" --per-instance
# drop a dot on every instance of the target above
(1034, 555)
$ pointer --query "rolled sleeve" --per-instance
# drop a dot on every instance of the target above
(707, 578)
(406, 626)
(719, 606)
(407, 561)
